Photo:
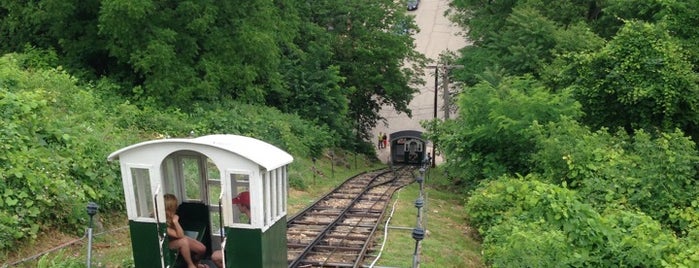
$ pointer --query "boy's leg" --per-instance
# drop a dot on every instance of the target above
(182, 245)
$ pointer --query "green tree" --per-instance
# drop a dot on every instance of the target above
(68, 27)
(184, 51)
(521, 37)
(639, 80)
(526, 41)
(490, 136)
(53, 149)
(310, 58)
(380, 67)
(313, 84)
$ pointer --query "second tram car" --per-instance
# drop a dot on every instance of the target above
(206, 174)
(407, 147)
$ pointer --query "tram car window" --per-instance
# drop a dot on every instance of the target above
(240, 183)
(206, 174)
(142, 199)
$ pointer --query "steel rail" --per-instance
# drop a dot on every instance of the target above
(364, 249)
(340, 216)
(349, 212)
(311, 206)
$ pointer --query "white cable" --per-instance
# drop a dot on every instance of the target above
(385, 231)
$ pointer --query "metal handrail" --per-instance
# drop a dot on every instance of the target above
(161, 236)
(222, 230)
(223, 252)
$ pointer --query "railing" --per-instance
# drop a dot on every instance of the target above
(161, 236)
(223, 231)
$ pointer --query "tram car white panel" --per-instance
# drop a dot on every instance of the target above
(206, 174)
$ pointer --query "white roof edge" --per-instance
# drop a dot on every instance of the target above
(264, 154)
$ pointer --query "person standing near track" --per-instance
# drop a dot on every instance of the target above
(384, 139)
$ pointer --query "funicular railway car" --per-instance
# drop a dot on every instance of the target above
(407, 147)
(206, 174)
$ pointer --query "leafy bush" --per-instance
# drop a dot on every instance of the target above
(656, 175)
(56, 134)
(53, 152)
(518, 244)
(641, 79)
(637, 240)
(490, 136)
(688, 255)
(530, 200)
(528, 223)
(289, 132)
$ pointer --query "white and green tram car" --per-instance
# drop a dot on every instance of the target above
(205, 174)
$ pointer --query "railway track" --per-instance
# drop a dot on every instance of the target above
(337, 230)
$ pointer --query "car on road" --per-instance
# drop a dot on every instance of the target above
(412, 4)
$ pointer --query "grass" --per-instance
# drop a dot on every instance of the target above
(449, 241)
(111, 247)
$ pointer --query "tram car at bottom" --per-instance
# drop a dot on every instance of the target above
(206, 174)
(407, 147)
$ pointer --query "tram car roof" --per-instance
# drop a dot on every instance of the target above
(406, 134)
(264, 154)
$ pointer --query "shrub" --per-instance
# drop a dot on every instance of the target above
(526, 216)
(653, 173)
(490, 137)
(518, 244)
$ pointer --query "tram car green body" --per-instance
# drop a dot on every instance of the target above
(205, 174)
(407, 147)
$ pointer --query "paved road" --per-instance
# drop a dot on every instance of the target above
(437, 34)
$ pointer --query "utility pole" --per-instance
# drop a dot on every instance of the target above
(447, 95)
(436, 89)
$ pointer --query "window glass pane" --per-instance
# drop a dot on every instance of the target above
(212, 172)
(240, 183)
(169, 174)
(214, 190)
(142, 191)
(215, 223)
(192, 177)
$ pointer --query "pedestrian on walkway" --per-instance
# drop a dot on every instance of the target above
(385, 140)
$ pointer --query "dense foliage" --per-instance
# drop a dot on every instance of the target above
(52, 159)
(576, 134)
(528, 223)
(332, 62)
(57, 132)
(94, 76)
(490, 136)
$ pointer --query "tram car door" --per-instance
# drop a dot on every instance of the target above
(207, 175)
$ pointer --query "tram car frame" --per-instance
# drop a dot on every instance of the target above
(407, 147)
(205, 174)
